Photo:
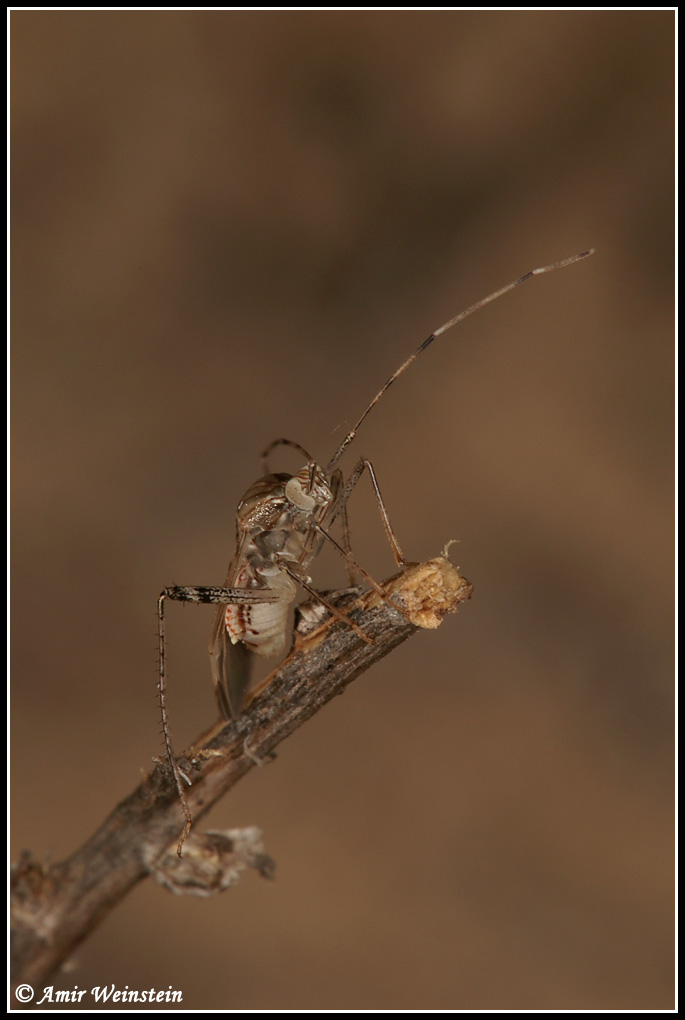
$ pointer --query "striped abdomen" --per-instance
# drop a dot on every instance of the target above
(263, 626)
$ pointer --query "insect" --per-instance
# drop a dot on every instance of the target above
(282, 523)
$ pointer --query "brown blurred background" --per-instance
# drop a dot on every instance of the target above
(232, 226)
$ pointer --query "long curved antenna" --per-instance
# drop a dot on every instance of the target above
(443, 329)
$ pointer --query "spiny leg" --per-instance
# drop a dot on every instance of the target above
(171, 757)
(196, 594)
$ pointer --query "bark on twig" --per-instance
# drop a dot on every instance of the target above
(54, 909)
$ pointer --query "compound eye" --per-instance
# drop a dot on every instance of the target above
(296, 495)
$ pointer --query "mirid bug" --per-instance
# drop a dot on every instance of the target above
(282, 522)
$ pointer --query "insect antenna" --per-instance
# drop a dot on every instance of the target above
(283, 442)
(443, 329)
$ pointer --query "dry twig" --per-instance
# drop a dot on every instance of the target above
(54, 908)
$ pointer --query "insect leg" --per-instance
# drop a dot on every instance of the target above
(333, 610)
(336, 483)
(351, 565)
(208, 594)
(345, 494)
(340, 508)
(165, 724)
(351, 562)
(197, 594)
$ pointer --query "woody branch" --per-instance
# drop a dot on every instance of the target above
(54, 908)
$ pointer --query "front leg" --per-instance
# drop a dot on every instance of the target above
(341, 505)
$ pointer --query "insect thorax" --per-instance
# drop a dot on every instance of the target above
(284, 501)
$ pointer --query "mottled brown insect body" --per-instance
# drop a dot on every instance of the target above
(282, 522)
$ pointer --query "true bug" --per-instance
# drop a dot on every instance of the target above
(282, 522)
